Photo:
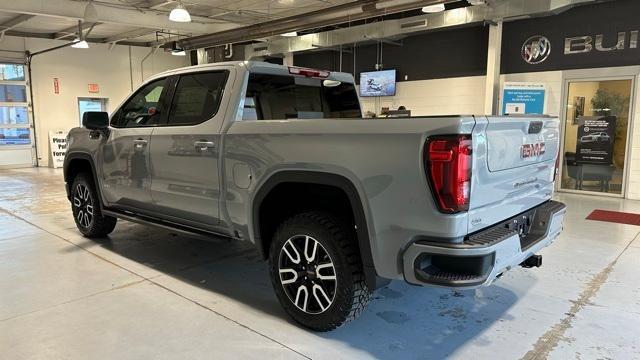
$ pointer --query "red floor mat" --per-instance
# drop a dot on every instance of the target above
(615, 217)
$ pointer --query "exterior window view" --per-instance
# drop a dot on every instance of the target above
(319, 179)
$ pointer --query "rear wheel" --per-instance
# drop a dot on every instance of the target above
(85, 206)
(316, 271)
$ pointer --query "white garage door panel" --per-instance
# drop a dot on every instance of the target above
(15, 158)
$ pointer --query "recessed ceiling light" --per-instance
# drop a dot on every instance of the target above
(290, 34)
(80, 44)
(433, 8)
(180, 14)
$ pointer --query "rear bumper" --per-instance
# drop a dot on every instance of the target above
(485, 255)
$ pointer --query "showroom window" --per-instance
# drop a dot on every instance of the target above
(143, 109)
(277, 97)
(197, 98)
(14, 113)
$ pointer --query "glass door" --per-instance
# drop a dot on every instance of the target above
(595, 136)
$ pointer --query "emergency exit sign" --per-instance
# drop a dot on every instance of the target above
(94, 88)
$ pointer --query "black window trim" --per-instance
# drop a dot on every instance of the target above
(163, 113)
(174, 87)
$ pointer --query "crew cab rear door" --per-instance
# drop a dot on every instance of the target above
(513, 166)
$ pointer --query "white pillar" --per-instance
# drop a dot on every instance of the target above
(492, 84)
(288, 59)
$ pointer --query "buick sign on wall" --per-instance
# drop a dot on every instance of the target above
(536, 49)
(603, 34)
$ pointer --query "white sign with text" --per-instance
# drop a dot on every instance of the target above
(58, 144)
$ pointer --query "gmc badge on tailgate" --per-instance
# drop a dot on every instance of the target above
(531, 150)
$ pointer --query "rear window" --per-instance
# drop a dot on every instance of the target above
(277, 97)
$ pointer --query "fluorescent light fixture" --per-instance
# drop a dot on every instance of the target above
(90, 13)
(80, 44)
(179, 53)
(435, 8)
(180, 14)
(289, 34)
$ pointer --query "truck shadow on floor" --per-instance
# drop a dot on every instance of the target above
(401, 321)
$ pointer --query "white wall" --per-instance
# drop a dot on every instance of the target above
(453, 96)
(113, 70)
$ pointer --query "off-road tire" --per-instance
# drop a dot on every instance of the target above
(83, 192)
(351, 294)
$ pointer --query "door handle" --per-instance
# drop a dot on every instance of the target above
(139, 143)
(203, 145)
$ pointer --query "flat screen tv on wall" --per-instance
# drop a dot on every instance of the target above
(378, 83)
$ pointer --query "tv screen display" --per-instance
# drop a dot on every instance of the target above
(378, 83)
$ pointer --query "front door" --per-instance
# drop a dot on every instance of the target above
(185, 151)
(595, 136)
(125, 153)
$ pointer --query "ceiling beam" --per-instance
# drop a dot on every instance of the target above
(129, 35)
(15, 21)
(146, 18)
(73, 30)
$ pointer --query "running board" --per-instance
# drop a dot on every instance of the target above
(166, 225)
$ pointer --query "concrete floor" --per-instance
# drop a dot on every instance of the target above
(145, 293)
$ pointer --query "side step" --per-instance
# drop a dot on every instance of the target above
(173, 227)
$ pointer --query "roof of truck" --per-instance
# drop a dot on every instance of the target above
(252, 66)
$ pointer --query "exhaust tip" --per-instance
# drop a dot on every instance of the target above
(532, 261)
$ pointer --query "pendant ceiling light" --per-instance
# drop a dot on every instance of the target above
(80, 44)
(433, 8)
(180, 14)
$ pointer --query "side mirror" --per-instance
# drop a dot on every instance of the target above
(95, 120)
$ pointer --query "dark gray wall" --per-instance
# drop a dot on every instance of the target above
(443, 54)
(606, 18)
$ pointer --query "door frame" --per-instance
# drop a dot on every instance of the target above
(600, 74)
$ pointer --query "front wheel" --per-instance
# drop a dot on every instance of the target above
(316, 271)
(85, 206)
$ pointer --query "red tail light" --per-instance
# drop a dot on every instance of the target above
(557, 168)
(448, 165)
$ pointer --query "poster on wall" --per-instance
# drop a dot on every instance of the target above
(523, 98)
(596, 135)
(58, 145)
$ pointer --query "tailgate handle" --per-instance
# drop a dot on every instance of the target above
(535, 127)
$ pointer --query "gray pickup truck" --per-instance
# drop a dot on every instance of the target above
(281, 157)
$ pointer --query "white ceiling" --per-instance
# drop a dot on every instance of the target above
(144, 22)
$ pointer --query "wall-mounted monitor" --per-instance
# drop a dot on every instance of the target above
(378, 83)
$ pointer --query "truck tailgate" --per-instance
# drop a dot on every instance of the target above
(513, 166)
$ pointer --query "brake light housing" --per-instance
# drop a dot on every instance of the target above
(322, 74)
(448, 164)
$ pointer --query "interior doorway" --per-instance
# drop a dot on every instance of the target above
(596, 132)
(91, 104)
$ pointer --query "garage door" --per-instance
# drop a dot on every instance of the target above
(16, 138)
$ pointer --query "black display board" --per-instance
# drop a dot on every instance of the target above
(596, 136)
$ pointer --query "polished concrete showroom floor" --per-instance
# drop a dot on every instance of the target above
(145, 293)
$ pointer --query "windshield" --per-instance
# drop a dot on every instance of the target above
(278, 97)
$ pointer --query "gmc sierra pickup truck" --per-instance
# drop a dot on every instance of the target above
(281, 157)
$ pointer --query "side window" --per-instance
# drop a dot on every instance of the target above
(278, 97)
(144, 108)
(197, 98)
